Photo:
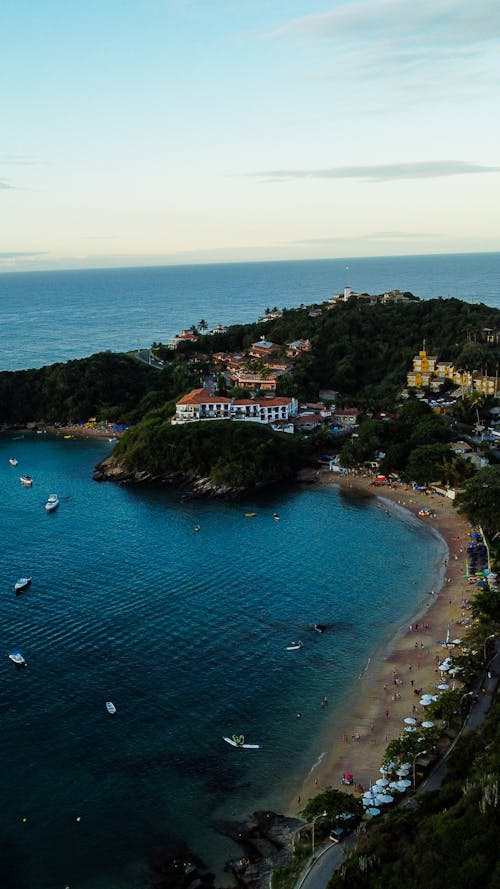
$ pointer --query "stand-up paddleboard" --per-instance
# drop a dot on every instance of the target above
(239, 741)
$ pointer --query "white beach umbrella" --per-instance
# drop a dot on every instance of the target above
(386, 798)
(444, 667)
(381, 782)
(410, 728)
(373, 812)
(455, 670)
(410, 720)
(405, 765)
(404, 783)
(387, 768)
(394, 785)
(457, 642)
(367, 802)
(428, 724)
(443, 686)
(425, 701)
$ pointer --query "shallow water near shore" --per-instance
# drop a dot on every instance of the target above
(185, 632)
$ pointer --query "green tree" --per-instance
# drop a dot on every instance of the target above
(334, 803)
(480, 499)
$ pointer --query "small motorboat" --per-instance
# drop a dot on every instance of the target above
(17, 658)
(276, 517)
(26, 480)
(52, 502)
(294, 646)
(110, 707)
(22, 584)
(239, 741)
(12, 461)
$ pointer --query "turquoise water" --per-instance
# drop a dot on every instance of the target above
(54, 316)
(185, 632)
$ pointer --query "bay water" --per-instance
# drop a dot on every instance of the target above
(185, 632)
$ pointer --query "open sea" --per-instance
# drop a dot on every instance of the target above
(185, 632)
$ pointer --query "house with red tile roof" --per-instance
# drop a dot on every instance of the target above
(202, 404)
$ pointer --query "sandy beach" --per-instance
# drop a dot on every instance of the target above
(385, 694)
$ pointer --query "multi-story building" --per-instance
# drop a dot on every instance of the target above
(202, 404)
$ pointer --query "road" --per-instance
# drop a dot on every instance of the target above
(319, 870)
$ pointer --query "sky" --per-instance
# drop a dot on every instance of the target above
(149, 132)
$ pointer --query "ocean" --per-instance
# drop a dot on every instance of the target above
(185, 632)
(47, 317)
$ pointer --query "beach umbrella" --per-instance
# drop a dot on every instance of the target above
(387, 768)
(455, 670)
(427, 724)
(373, 811)
(381, 782)
(410, 720)
(386, 798)
(403, 784)
(367, 802)
(410, 728)
(443, 686)
(444, 667)
(394, 785)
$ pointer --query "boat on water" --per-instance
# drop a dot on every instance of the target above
(276, 517)
(52, 502)
(239, 741)
(17, 658)
(110, 707)
(12, 461)
(250, 515)
(22, 584)
(26, 480)
(294, 646)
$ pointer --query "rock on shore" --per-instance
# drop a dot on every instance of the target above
(110, 469)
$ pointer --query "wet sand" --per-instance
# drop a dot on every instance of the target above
(373, 716)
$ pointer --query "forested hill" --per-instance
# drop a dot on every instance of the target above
(209, 457)
(108, 385)
(364, 351)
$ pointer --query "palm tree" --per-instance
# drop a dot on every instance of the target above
(202, 325)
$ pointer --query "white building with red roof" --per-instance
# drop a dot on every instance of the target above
(202, 404)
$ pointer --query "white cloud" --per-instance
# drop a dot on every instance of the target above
(382, 172)
(442, 22)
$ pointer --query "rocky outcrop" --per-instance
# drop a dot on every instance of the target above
(112, 470)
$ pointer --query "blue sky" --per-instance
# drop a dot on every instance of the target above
(177, 131)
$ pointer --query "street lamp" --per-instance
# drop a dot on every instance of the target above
(414, 760)
(491, 636)
(321, 815)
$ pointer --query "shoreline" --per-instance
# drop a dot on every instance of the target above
(372, 718)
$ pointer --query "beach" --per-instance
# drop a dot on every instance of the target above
(385, 693)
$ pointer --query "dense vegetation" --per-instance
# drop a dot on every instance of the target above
(108, 386)
(451, 840)
(363, 351)
(239, 455)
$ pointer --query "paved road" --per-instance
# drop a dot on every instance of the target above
(320, 869)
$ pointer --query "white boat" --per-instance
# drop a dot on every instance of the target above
(239, 741)
(52, 502)
(26, 480)
(22, 584)
(294, 646)
(110, 707)
(17, 659)
(12, 461)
